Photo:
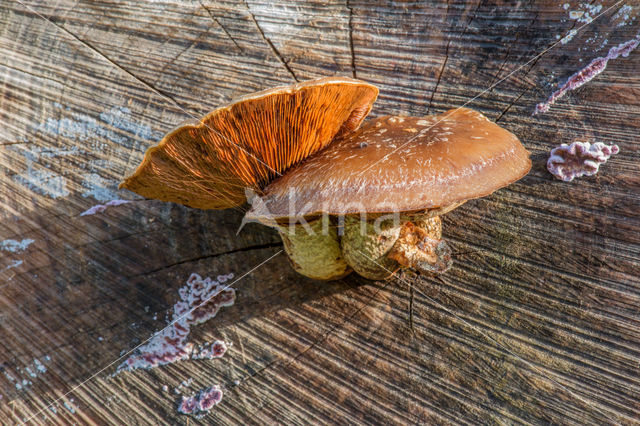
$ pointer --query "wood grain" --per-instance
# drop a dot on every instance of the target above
(538, 321)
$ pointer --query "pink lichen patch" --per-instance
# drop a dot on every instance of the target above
(202, 403)
(215, 350)
(587, 73)
(200, 300)
(567, 162)
(188, 405)
(102, 207)
(209, 398)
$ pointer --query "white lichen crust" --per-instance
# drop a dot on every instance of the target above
(314, 250)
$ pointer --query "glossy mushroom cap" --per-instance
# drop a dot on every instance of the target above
(250, 142)
(399, 164)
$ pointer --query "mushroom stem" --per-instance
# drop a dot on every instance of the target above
(377, 250)
(314, 249)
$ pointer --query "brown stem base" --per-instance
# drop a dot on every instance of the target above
(420, 247)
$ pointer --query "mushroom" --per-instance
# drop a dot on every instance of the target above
(385, 185)
(248, 143)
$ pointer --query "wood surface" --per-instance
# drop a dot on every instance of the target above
(538, 321)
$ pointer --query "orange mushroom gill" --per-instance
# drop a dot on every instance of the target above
(250, 142)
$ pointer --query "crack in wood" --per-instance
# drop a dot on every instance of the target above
(44, 77)
(15, 143)
(411, 298)
(495, 77)
(512, 103)
(504, 62)
(444, 64)
(353, 53)
(224, 29)
(275, 51)
(533, 64)
(475, 13)
(312, 345)
(208, 256)
(172, 62)
(92, 48)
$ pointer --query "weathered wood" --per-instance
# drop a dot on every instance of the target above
(537, 322)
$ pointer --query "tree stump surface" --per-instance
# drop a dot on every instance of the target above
(537, 322)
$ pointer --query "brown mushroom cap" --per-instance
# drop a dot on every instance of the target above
(250, 142)
(400, 164)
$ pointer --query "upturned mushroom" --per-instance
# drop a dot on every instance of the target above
(248, 143)
(385, 185)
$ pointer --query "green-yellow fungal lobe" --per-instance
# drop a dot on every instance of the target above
(377, 249)
(314, 250)
(365, 245)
